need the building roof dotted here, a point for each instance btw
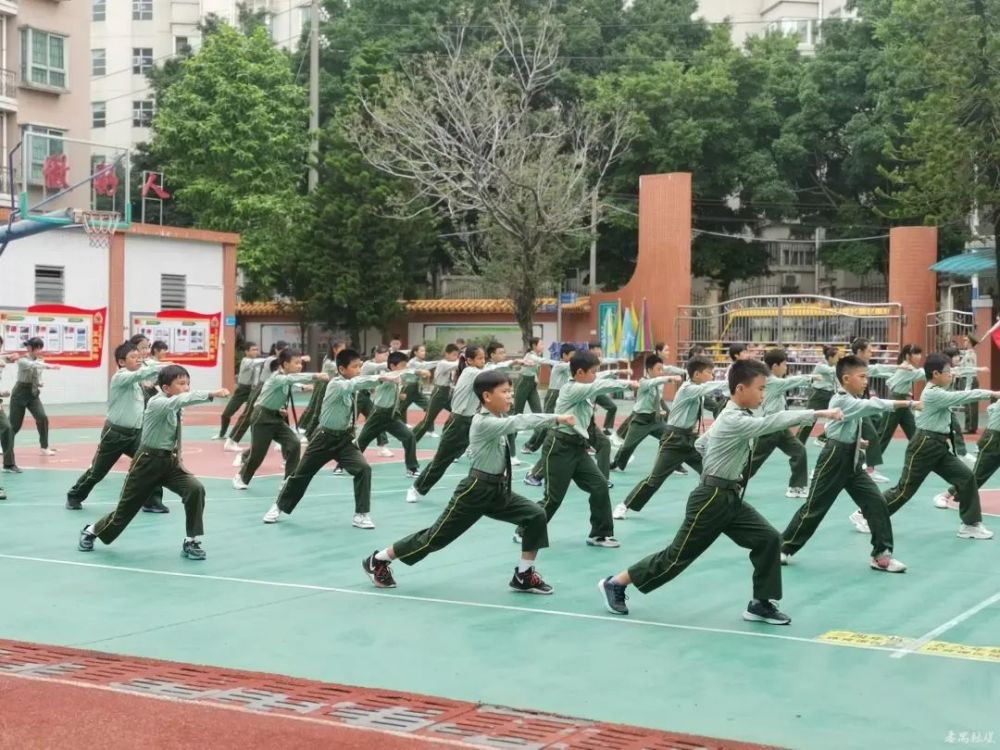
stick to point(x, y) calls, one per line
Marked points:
point(425, 306)
point(978, 260)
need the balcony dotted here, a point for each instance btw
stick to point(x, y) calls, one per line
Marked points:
point(8, 89)
point(8, 7)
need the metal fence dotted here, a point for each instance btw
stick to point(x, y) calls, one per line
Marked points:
point(944, 326)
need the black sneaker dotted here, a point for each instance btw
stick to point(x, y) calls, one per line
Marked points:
point(529, 582)
point(192, 550)
point(72, 504)
point(157, 507)
point(614, 595)
point(611, 485)
point(86, 543)
point(765, 611)
point(12, 470)
point(603, 541)
point(378, 572)
point(3, 494)
point(532, 481)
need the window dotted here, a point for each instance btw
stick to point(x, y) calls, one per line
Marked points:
point(98, 10)
point(142, 60)
point(173, 291)
point(181, 45)
point(49, 285)
point(43, 58)
point(41, 149)
point(98, 62)
point(142, 10)
point(98, 114)
point(142, 113)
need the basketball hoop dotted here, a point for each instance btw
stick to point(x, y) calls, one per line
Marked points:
point(100, 226)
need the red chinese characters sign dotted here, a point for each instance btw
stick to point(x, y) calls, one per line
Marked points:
point(192, 338)
point(73, 336)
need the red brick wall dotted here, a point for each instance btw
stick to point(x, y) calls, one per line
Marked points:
point(912, 250)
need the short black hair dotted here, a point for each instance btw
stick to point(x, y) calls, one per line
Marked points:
point(696, 350)
point(284, 357)
point(492, 347)
point(160, 346)
point(830, 351)
point(697, 364)
point(745, 371)
point(594, 345)
point(652, 360)
point(859, 344)
point(848, 363)
point(345, 357)
point(735, 350)
point(907, 350)
point(449, 348)
point(381, 348)
point(487, 382)
point(583, 361)
point(123, 350)
point(533, 340)
point(775, 356)
point(170, 373)
point(396, 357)
point(34, 343)
point(936, 362)
point(248, 345)
point(659, 346)
point(566, 349)
point(138, 339)
point(951, 352)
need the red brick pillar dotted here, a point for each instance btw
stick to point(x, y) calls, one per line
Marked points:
point(912, 251)
point(986, 353)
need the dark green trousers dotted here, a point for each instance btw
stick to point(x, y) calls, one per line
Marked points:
point(712, 511)
point(640, 427)
point(476, 496)
point(325, 446)
point(602, 449)
point(239, 397)
point(987, 461)
point(971, 410)
point(270, 426)
point(897, 418)
point(838, 469)
point(538, 436)
point(389, 419)
point(150, 470)
point(310, 417)
point(676, 449)
point(931, 452)
point(818, 400)
point(791, 447)
point(414, 396)
point(870, 431)
point(363, 402)
point(526, 394)
point(610, 410)
point(115, 442)
point(6, 440)
point(440, 401)
point(956, 431)
point(246, 417)
point(567, 461)
point(24, 397)
point(454, 441)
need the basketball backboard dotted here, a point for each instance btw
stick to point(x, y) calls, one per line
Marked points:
point(62, 179)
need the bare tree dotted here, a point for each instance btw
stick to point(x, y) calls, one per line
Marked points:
point(473, 131)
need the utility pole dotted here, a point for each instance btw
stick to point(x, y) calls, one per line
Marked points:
point(313, 94)
point(593, 242)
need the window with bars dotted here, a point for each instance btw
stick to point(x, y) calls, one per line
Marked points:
point(42, 148)
point(98, 114)
point(173, 291)
point(43, 58)
point(98, 62)
point(99, 10)
point(142, 60)
point(142, 113)
point(49, 288)
point(142, 10)
point(181, 45)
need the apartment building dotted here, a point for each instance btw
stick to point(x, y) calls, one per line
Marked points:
point(43, 86)
point(801, 18)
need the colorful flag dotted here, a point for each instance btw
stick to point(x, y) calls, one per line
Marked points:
point(616, 347)
point(608, 332)
point(642, 342)
point(628, 336)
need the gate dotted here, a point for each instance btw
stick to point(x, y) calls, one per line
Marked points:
point(944, 326)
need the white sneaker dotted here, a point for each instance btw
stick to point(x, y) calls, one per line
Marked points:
point(793, 492)
point(218, 437)
point(974, 531)
point(277, 449)
point(876, 477)
point(274, 514)
point(232, 446)
point(860, 524)
point(620, 512)
point(616, 441)
point(969, 458)
point(385, 452)
point(412, 496)
point(238, 483)
point(942, 499)
point(603, 541)
point(515, 461)
point(887, 563)
point(786, 559)
point(818, 443)
point(48, 452)
point(803, 492)
point(433, 435)
point(362, 521)
point(812, 474)
point(303, 439)
point(238, 461)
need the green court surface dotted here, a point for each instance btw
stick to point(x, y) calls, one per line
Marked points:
point(870, 659)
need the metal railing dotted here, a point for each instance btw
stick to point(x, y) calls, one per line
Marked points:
point(944, 326)
point(8, 83)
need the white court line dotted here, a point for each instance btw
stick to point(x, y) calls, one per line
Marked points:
point(930, 635)
point(477, 605)
point(241, 710)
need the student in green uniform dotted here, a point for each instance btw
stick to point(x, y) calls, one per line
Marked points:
point(677, 444)
point(363, 398)
point(558, 376)
point(244, 384)
point(900, 386)
point(333, 440)
point(662, 352)
point(158, 464)
point(444, 375)
point(261, 374)
point(737, 352)
point(270, 421)
point(838, 468)
point(775, 392)
point(6, 433)
point(969, 361)
point(413, 393)
point(987, 459)
point(121, 433)
point(484, 492)
point(962, 379)
point(310, 417)
point(716, 506)
point(526, 391)
point(605, 401)
point(645, 417)
point(824, 383)
point(387, 415)
point(25, 395)
point(930, 449)
point(567, 459)
point(870, 427)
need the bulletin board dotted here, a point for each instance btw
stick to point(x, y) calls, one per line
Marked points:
point(73, 336)
point(192, 337)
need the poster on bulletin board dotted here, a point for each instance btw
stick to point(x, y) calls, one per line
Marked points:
point(73, 336)
point(191, 337)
